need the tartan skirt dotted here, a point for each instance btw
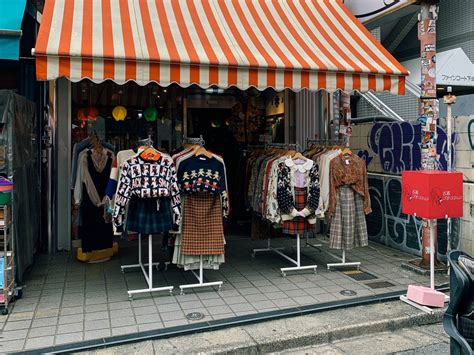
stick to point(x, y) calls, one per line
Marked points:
point(298, 225)
point(202, 226)
point(144, 217)
point(348, 227)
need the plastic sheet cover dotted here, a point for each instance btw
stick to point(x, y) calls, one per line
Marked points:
point(19, 161)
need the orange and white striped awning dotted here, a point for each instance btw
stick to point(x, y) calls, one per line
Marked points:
point(314, 44)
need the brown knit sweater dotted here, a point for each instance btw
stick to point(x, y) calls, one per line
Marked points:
point(353, 174)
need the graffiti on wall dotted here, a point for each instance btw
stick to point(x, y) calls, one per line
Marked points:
point(397, 146)
point(389, 226)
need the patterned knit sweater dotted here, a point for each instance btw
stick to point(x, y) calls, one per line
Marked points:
point(202, 174)
point(285, 189)
point(147, 179)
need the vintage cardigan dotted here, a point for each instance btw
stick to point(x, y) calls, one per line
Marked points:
point(286, 191)
point(148, 179)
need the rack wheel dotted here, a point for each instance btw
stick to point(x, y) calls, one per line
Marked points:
point(19, 294)
point(171, 293)
point(122, 271)
point(5, 311)
point(253, 255)
point(182, 293)
point(130, 298)
point(283, 274)
point(219, 289)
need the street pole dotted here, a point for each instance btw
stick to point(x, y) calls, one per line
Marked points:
point(428, 113)
point(449, 100)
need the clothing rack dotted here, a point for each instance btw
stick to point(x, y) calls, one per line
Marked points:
point(297, 262)
point(200, 278)
point(295, 146)
point(194, 140)
point(149, 276)
point(343, 262)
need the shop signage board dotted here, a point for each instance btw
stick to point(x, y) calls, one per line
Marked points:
point(432, 194)
point(369, 10)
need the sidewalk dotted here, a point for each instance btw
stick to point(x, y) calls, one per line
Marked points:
point(66, 302)
point(332, 330)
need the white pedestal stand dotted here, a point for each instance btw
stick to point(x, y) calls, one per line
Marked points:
point(149, 276)
point(200, 278)
point(404, 298)
point(297, 262)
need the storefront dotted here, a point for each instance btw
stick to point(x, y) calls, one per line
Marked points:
point(241, 75)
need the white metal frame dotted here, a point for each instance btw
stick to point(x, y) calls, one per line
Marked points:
point(149, 276)
point(297, 262)
point(200, 278)
point(343, 262)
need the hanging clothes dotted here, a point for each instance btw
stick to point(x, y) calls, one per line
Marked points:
point(202, 180)
point(95, 232)
point(349, 202)
point(153, 183)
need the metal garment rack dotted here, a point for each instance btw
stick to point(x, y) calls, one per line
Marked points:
point(199, 141)
point(343, 262)
point(297, 262)
point(200, 278)
point(194, 140)
point(149, 276)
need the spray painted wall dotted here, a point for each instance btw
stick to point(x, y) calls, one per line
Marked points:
point(389, 148)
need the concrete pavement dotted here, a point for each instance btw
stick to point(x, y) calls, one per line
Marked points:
point(375, 324)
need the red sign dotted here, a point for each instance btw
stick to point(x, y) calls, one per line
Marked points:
point(432, 194)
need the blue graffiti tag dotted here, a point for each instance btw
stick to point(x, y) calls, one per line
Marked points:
point(398, 146)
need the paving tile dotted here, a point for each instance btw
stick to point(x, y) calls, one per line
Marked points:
point(69, 328)
point(96, 300)
point(73, 318)
point(150, 326)
point(97, 324)
point(97, 334)
point(260, 305)
point(240, 307)
point(176, 323)
point(97, 315)
point(169, 316)
point(96, 308)
point(24, 307)
point(128, 312)
point(223, 316)
point(256, 297)
point(148, 318)
point(212, 302)
point(42, 331)
point(13, 335)
point(138, 311)
point(219, 310)
point(67, 311)
point(296, 293)
point(121, 322)
point(68, 338)
point(12, 346)
point(143, 302)
point(43, 322)
point(125, 330)
point(208, 295)
point(194, 304)
point(46, 313)
point(285, 303)
point(119, 305)
point(305, 300)
point(169, 307)
point(41, 342)
point(234, 300)
point(14, 316)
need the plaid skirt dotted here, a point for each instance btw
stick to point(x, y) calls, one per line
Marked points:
point(348, 228)
point(202, 226)
point(144, 216)
point(298, 225)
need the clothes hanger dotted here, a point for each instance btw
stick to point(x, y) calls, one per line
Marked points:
point(150, 153)
point(203, 151)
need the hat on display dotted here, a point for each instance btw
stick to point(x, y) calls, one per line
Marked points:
point(150, 114)
point(119, 113)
